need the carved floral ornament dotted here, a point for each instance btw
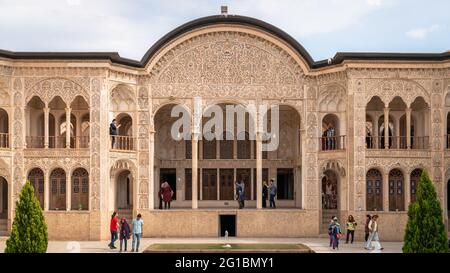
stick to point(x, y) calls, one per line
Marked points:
point(123, 164)
point(333, 165)
point(48, 88)
point(389, 89)
point(227, 64)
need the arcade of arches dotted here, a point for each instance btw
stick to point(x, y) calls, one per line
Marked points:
point(352, 139)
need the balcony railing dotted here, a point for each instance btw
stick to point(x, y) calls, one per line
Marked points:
point(125, 143)
point(399, 143)
point(35, 141)
point(57, 142)
point(81, 142)
point(4, 140)
point(332, 143)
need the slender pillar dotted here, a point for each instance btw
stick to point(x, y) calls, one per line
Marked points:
point(151, 177)
point(258, 170)
point(46, 192)
point(375, 141)
point(386, 192)
point(397, 134)
point(46, 124)
point(68, 110)
point(408, 128)
point(69, 191)
point(194, 170)
point(386, 128)
point(78, 131)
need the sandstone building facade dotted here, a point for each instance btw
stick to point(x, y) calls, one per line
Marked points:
point(55, 110)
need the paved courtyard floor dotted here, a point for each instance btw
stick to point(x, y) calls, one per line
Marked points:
point(319, 245)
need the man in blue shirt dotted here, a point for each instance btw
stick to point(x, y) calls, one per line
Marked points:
point(113, 127)
point(137, 233)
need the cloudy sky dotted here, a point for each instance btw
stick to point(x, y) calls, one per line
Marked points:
point(130, 27)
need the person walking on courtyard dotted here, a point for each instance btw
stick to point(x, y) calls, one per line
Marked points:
point(272, 194)
point(137, 233)
point(125, 233)
point(373, 236)
point(329, 230)
point(366, 227)
point(113, 127)
point(351, 225)
point(113, 227)
point(336, 234)
point(166, 194)
point(265, 192)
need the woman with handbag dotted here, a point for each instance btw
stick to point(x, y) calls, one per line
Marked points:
point(336, 234)
point(124, 233)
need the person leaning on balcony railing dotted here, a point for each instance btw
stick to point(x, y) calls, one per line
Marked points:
point(113, 127)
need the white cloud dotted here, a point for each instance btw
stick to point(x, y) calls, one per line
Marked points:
point(421, 33)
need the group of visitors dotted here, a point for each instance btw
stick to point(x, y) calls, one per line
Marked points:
point(165, 195)
point(267, 191)
point(372, 240)
point(122, 228)
point(329, 138)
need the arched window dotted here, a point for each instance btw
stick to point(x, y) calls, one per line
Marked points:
point(80, 189)
point(36, 178)
point(4, 129)
point(331, 139)
point(415, 177)
point(226, 146)
point(396, 192)
point(243, 146)
point(374, 198)
point(58, 189)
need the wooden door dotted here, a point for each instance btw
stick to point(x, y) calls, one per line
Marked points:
point(396, 194)
point(209, 184)
point(374, 200)
point(226, 181)
point(36, 178)
point(58, 190)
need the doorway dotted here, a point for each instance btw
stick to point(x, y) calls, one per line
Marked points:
point(170, 175)
point(124, 190)
point(227, 223)
point(285, 184)
point(3, 198)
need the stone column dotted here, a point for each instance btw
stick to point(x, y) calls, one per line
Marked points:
point(258, 170)
point(194, 170)
point(408, 128)
point(68, 110)
point(151, 164)
point(69, 191)
point(46, 191)
point(78, 131)
point(375, 141)
point(397, 133)
point(46, 124)
point(385, 191)
point(386, 128)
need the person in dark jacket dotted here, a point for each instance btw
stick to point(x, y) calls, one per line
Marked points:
point(265, 193)
point(124, 233)
point(113, 127)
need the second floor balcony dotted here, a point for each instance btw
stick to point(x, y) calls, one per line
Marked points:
point(398, 143)
point(57, 142)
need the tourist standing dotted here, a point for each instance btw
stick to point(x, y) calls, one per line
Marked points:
point(125, 233)
point(240, 188)
point(366, 227)
point(113, 127)
point(265, 193)
point(272, 193)
point(329, 230)
point(336, 233)
point(137, 233)
point(166, 194)
point(113, 227)
point(373, 236)
point(351, 225)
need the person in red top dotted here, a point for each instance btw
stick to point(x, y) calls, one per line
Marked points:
point(166, 194)
point(114, 226)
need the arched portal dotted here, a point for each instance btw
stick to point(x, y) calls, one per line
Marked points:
point(80, 189)
point(124, 190)
point(58, 189)
point(3, 199)
point(330, 199)
point(4, 129)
